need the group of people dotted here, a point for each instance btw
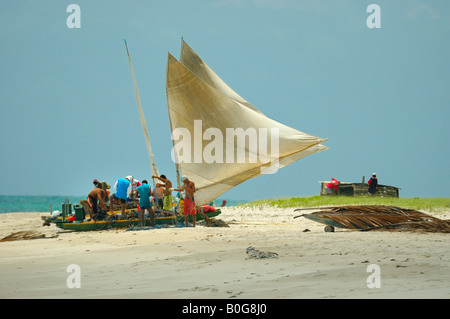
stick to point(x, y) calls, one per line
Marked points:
point(128, 187)
point(333, 186)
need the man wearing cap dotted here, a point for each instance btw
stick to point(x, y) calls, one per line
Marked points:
point(134, 185)
point(105, 186)
point(373, 183)
point(96, 197)
point(189, 207)
point(123, 191)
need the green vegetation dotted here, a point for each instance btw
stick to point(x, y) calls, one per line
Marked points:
point(420, 204)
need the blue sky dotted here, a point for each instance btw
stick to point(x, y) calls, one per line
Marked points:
point(381, 96)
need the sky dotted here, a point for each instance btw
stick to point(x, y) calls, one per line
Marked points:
point(380, 95)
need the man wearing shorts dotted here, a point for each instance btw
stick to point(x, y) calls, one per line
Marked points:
point(123, 191)
point(158, 195)
point(168, 199)
point(144, 191)
point(189, 207)
point(96, 197)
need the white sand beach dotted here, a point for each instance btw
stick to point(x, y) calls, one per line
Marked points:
point(211, 262)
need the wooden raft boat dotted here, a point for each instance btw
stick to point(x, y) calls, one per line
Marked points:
point(112, 223)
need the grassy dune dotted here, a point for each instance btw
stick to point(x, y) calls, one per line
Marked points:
point(422, 204)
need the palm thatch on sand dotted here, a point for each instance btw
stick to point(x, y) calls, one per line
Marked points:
point(24, 235)
point(378, 217)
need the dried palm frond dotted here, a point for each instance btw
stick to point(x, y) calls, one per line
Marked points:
point(24, 235)
point(211, 221)
point(378, 217)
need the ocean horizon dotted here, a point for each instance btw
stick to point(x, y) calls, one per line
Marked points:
point(41, 203)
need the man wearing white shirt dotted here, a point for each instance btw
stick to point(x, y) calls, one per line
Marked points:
point(123, 188)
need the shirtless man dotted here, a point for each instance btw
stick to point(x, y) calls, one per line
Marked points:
point(158, 195)
point(189, 207)
point(96, 196)
point(167, 191)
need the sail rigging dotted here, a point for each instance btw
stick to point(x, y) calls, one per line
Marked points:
point(203, 105)
point(154, 169)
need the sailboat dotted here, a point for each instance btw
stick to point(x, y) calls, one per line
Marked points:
point(201, 103)
point(220, 140)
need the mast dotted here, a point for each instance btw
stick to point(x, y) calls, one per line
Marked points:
point(177, 165)
point(154, 169)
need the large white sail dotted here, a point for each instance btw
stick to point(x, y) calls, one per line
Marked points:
point(200, 103)
point(196, 65)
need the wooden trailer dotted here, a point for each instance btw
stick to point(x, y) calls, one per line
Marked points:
point(360, 189)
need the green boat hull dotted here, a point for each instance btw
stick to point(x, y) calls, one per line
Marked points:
point(126, 223)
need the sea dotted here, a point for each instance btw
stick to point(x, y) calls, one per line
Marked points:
point(11, 204)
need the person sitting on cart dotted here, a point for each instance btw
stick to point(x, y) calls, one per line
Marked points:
point(332, 187)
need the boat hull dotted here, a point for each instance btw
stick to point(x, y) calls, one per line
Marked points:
point(126, 223)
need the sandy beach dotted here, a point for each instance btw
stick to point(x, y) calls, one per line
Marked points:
point(211, 262)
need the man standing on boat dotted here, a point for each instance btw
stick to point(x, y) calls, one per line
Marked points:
point(167, 201)
point(144, 191)
point(189, 207)
point(123, 191)
point(373, 183)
